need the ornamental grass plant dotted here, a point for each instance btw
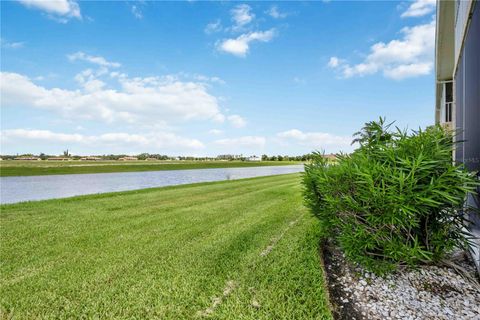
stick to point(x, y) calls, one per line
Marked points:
point(397, 200)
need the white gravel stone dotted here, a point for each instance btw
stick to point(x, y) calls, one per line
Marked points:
point(431, 292)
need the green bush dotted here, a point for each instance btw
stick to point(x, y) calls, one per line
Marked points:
point(397, 200)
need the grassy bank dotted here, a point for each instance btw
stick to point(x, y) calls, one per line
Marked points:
point(244, 249)
point(36, 168)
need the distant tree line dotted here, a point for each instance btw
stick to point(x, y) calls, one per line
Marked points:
point(154, 156)
point(304, 157)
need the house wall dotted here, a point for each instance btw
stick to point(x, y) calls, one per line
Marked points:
point(467, 113)
point(467, 96)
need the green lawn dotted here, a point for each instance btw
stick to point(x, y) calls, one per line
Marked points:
point(244, 249)
point(36, 168)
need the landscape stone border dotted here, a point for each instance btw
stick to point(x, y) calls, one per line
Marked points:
point(428, 292)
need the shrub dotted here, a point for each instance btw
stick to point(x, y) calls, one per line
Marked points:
point(397, 200)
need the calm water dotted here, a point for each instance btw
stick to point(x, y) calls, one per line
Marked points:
point(17, 189)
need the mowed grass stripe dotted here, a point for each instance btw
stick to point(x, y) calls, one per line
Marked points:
point(163, 253)
point(143, 224)
point(168, 203)
point(289, 274)
point(90, 220)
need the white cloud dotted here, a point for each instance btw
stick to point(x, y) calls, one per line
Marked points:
point(275, 13)
point(333, 62)
point(12, 45)
point(215, 132)
point(316, 140)
point(237, 121)
point(212, 27)
point(410, 56)
point(241, 45)
point(408, 70)
point(61, 10)
point(136, 11)
point(299, 80)
point(85, 75)
point(242, 15)
point(420, 8)
point(146, 101)
point(205, 79)
point(107, 141)
point(243, 142)
point(220, 118)
point(101, 61)
point(94, 85)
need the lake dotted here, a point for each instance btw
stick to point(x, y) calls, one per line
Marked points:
point(18, 189)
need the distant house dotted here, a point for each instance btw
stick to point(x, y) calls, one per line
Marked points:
point(457, 75)
point(91, 158)
point(27, 158)
point(229, 157)
point(128, 159)
point(253, 158)
point(330, 157)
point(58, 159)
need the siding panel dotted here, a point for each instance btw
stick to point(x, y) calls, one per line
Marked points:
point(472, 93)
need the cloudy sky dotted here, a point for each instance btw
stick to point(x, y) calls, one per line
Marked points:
point(208, 78)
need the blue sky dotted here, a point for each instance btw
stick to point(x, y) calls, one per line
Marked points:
point(208, 78)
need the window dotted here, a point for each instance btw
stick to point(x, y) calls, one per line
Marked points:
point(448, 101)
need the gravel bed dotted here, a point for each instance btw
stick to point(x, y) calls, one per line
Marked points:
point(429, 292)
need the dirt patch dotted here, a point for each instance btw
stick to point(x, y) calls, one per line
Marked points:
point(277, 238)
point(216, 301)
point(343, 307)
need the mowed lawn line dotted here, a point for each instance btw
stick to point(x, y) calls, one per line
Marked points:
point(173, 223)
point(191, 230)
point(290, 273)
point(11, 168)
point(114, 203)
point(161, 252)
point(92, 222)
